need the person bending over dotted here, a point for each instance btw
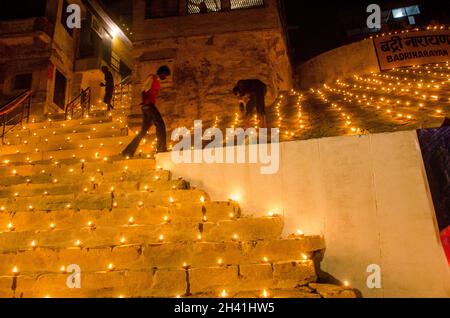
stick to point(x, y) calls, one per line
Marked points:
point(252, 94)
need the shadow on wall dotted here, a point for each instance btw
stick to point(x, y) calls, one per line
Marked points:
point(326, 278)
point(435, 145)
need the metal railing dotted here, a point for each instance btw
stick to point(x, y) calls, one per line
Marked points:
point(124, 87)
point(15, 111)
point(79, 105)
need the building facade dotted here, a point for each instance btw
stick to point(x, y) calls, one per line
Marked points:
point(39, 51)
point(209, 46)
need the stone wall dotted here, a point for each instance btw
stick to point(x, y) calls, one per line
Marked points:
point(40, 46)
point(206, 68)
point(208, 54)
point(343, 62)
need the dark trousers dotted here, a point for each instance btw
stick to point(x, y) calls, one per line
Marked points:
point(108, 98)
point(257, 100)
point(151, 117)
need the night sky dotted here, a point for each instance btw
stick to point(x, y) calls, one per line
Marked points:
point(320, 25)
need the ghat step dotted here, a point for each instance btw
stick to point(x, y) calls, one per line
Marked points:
point(175, 213)
point(131, 228)
point(72, 139)
point(161, 282)
point(90, 236)
point(74, 176)
point(147, 183)
point(131, 199)
point(167, 255)
point(115, 163)
point(99, 153)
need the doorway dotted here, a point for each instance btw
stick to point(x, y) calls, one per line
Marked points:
point(59, 95)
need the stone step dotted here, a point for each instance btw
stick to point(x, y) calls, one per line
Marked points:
point(103, 113)
point(242, 229)
point(100, 153)
point(38, 220)
point(66, 128)
point(31, 127)
point(312, 290)
point(114, 163)
point(62, 139)
point(93, 144)
point(83, 185)
point(92, 178)
point(101, 201)
point(170, 255)
point(161, 282)
point(66, 219)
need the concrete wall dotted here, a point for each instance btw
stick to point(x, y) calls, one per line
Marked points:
point(356, 58)
point(367, 195)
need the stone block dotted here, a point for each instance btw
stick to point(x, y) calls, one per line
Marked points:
point(332, 291)
point(213, 279)
point(293, 274)
point(246, 229)
point(169, 283)
point(255, 277)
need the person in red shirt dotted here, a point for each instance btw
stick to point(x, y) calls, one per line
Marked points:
point(152, 116)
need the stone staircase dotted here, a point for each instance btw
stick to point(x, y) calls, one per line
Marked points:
point(67, 198)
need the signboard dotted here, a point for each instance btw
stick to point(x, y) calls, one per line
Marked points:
point(412, 48)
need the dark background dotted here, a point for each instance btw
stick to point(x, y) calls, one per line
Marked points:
point(317, 26)
point(435, 145)
point(313, 26)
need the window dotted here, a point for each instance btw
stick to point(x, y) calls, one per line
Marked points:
point(161, 9)
point(115, 61)
point(413, 10)
point(407, 12)
point(244, 4)
point(106, 49)
point(399, 13)
point(23, 81)
point(204, 6)
point(64, 16)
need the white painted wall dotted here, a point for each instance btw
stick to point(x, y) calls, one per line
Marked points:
point(367, 195)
